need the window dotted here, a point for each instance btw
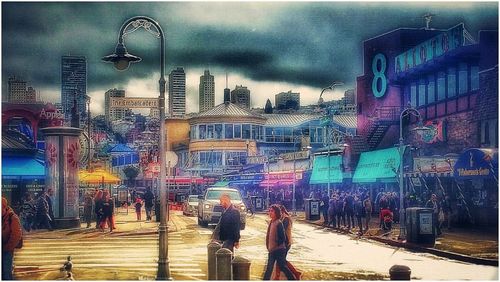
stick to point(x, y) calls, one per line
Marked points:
point(320, 135)
point(421, 92)
point(441, 88)
point(210, 131)
point(255, 132)
point(462, 79)
point(474, 78)
point(413, 94)
point(452, 82)
point(203, 131)
point(218, 131)
point(431, 85)
point(192, 132)
point(237, 131)
point(246, 131)
point(313, 135)
point(269, 134)
point(288, 134)
point(228, 131)
point(278, 135)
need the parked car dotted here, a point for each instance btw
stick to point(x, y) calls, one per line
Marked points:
point(190, 205)
point(210, 210)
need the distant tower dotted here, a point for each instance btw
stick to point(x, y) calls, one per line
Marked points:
point(227, 93)
point(111, 114)
point(17, 89)
point(73, 83)
point(207, 91)
point(241, 96)
point(177, 92)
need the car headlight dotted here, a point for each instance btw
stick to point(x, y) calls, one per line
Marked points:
point(207, 206)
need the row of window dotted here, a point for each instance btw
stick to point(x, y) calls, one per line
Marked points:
point(219, 158)
point(445, 84)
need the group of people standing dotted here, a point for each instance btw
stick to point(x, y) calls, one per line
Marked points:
point(102, 205)
point(37, 213)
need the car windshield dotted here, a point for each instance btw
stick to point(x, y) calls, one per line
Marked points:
point(215, 194)
point(193, 198)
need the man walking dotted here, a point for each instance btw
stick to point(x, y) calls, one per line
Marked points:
point(12, 235)
point(228, 228)
point(42, 212)
point(148, 202)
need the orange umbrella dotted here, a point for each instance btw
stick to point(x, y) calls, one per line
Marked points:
point(98, 176)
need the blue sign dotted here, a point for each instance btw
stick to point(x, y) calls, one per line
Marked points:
point(430, 49)
point(379, 82)
point(477, 163)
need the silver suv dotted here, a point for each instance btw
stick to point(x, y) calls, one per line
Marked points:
point(210, 210)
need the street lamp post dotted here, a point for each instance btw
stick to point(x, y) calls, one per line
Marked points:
point(121, 60)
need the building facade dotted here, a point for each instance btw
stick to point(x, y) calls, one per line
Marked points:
point(112, 114)
point(19, 92)
point(73, 84)
point(177, 92)
point(241, 96)
point(287, 100)
point(206, 92)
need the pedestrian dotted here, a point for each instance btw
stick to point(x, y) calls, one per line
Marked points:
point(50, 201)
point(331, 212)
point(228, 228)
point(367, 204)
point(28, 212)
point(386, 216)
point(138, 207)
point(42, 212)
point(349, 210)
point(287, 225)
point(358, 213)
point(98, 209)
point(107, 211)
point(447, 212)
point(276, 245)
point(324, 205)
point(148, 203)
point(12, 238)
point(433, 203)
point(87, 209)
point(338, 210)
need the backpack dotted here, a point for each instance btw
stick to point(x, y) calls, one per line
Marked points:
point(20, 243)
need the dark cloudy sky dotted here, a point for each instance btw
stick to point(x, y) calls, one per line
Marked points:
point(268, 47)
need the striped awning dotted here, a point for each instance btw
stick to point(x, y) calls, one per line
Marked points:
point(429, 174)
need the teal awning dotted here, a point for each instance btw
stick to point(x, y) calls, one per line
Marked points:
point(23, 167)
point(380, 165)
point(221, 184)
point(322, 175)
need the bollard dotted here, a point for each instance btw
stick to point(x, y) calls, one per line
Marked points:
point(241, 268)
point(223, 260)
point(212, 247)
point(400, 272)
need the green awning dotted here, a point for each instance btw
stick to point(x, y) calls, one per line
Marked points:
point(321, 174)
point(221, 184)
point(380, 165)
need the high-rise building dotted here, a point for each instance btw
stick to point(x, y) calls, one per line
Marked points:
point(287, 100)
point(30, 96)
point(177, 92)
point(73, 83)
point(112, 114)
point(207, 92)
point(17, 89)
point(241, 96)
point(349, 97)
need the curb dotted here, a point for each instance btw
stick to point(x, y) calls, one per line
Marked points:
point(415, 247)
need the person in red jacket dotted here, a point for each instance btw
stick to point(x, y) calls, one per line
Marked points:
point(386, 217)
point(12, 235)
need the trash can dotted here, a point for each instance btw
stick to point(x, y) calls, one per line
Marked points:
point(179, 198)
point(257, 203)
point(312, 209)
point(420, 226)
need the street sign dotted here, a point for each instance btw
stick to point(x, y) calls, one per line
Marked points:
point(128, 103)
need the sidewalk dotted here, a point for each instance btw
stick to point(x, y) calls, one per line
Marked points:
point(479, 246)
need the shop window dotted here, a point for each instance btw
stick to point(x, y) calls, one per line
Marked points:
point(462, 79)
point(218, 131)
point(413, 94)
point(441, 86)
point(203, 131)
point(245, 129)
point(421, 92)
point(431, 86)
point(228, 131)
point(237, 131)
point(474, 78)
point(452, 82)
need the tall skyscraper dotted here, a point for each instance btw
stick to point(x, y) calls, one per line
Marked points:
point(207, 92)
point(287, 100)
point(177, 92)
point(73, 83)
point(241, 96)
point(111, 114)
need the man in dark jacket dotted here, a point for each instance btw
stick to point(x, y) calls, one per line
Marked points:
point(325, 204)
point(148, 202)
point(229, 224)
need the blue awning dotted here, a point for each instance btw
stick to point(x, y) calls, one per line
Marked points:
point(327, 169)
point(476, 163)
point(23, 167)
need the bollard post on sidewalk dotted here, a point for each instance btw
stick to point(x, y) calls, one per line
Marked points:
point(241, 268)
point(212, 247)
point(400, 272)
point(223, 260)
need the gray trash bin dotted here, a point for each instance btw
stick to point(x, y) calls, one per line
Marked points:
point(258, 203)
point(312, 209)
point(420, 226)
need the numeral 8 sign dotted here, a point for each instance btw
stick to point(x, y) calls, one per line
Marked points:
point(379, 83)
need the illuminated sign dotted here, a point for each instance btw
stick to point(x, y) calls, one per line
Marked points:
point(128, 103)
point(430, 49)
point(436, 132)
point(379, 82)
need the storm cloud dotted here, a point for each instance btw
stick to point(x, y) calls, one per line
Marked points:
point(309, 44)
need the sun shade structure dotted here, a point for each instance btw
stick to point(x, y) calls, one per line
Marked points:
point(98, 177)
point(320, 172)
point(15, 167)
point(380, 165)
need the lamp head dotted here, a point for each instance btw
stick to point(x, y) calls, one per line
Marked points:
point(121, 58)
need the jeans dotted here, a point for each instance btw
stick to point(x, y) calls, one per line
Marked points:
point(148, 212)
point(7, 261)
point(278, 256)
